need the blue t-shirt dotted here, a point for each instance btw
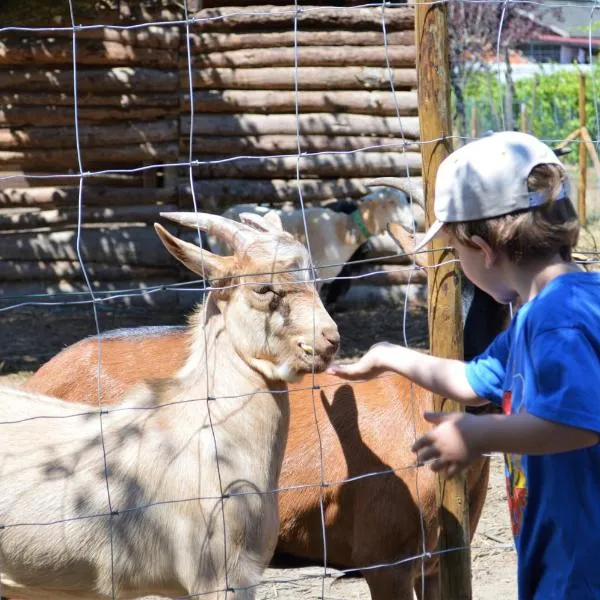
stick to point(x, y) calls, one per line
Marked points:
point(548, 364)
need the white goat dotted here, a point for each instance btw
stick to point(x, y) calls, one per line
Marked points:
point(169, 492)
point(334, 236)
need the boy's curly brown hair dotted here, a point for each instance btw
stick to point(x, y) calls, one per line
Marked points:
point(529, 235)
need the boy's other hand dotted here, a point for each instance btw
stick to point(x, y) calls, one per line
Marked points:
point(369, 365)
point(452, 445)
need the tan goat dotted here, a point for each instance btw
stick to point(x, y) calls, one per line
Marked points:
point(170, 492)
point(365, 432)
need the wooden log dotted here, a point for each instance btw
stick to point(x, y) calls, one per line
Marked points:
point(260, 17)
point(19, 179)
point(282, 101)
point(151, 36)
point(444, 293)
point(90, 136)
point(92, 196)
point(217, 194)
point(33, 218)
point(360, 164)
point(222, 42)
point(120, 245)
point(309, 78)
point(59, 51)
point(288, 144)
point(119, 294)
point(100, 81)
point(51, 115)
point(110, 156)
point(122, 101)
point(323, 56)
point(71, 270)
point(306, 123)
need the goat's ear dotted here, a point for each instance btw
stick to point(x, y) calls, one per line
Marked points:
point(201, 262)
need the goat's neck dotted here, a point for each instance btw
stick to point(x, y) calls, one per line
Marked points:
point(363, 223)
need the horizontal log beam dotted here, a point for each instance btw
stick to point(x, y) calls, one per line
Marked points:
point(33, 218)
point(123, 101)
point(92, 196)
point(59, 51)
point(119, 245)
point(95, 81)
point(288, 144)
point(254, 17)
point(306, 123)
point(152, 36)
point(268, 102)
point(217, 194)
point(363, 164)
point(58, 160)
point(52, 115)
point(221, 42)
point(309, 78)
point(90, 136)
point(71, 270)
point(323, 56)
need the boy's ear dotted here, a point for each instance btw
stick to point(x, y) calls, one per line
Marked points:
point(489, 254)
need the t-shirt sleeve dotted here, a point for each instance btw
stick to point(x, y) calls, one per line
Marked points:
point(566, 367)
point(486, 372)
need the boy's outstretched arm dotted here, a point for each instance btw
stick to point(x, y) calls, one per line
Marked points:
point(459, 438)
point(443, 376)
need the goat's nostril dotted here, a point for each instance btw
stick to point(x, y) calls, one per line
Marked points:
point(332, 336)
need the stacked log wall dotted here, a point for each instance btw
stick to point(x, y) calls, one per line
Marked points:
point(134, 115)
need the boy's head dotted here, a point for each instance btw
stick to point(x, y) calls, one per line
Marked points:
point(511, 190)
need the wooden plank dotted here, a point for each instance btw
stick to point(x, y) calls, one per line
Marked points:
point(71, 271)
point(92, 196)
point(373, 103)
point(288, 144)
point(260, 17)
point(309, 78)
point(582, 188)
point(100, 81)
point(305, 124)
point(217, 194)
point(123, 101)
point(32, 218)
point(90, 136)
point(322, 56)
point(108, 156)
point(359, 164)
point(119, 245)
point(221, 42)
point(444, 296)
point(59, 51)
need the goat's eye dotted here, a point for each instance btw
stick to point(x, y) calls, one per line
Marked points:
point(264, 289)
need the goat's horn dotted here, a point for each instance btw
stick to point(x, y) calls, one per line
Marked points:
point(411, 187)
point(237, 235)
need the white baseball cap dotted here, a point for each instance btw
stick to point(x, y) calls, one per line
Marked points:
point(488, 178)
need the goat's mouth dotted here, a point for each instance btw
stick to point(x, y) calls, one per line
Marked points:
point(313, 359)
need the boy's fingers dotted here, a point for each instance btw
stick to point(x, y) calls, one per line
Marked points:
point(422, 442)
point(435, 417)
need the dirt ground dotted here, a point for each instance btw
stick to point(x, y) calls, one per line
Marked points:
point(31, 335)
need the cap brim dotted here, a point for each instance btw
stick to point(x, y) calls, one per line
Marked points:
point(429, 235)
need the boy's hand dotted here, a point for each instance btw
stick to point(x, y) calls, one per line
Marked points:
point(452, 445)
point(370, 364)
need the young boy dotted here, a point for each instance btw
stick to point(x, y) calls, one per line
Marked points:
point(502, 203)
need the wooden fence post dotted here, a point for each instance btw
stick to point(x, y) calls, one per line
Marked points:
point(445, 326)
point(582, 154)
point(474, 121)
